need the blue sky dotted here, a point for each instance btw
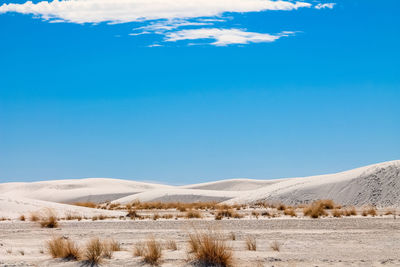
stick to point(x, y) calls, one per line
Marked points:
point(206, 93)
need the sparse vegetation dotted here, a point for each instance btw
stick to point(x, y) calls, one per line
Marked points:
point(152, 252)
point(60, 247)
point(337, 213)
point(138, 249)
point(290, 212)
point(193, 214)
point(317, 208)
point(251, 243)
point(350, 211)
point(94, 251)
point(210, 249)
point(86, 204)
point(22, 218)
point(275, 246)
point(171, 245)
point(228, 213)
point(49, 220)
point(369, 211)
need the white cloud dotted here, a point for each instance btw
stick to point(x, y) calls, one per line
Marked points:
point(174, 19)
point(224, 37)
point(119, 11)
point(327, 5)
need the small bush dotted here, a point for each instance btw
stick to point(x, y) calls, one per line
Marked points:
point(94, 251)
point(22, 218)
point(315, 210)
point(337, 213)
point(34, 217)
point(351, 211)
point(152, 252)
point(49, 220)
point(255, 214)
point(281, 206)
point(193, 214)
point(251, 243)
point(138, 250)
point(369, 211)
point(290, 212)
point(275, 246)
point(211, 250)
point(59, 247)
point(228, 213)
point(171, 245)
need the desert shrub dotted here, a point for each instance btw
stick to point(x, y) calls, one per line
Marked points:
point(315, 210)
point(107, 250)
point(152, 252)
point(281, 206)
point(34, 217)
point(255, 214)
point(210, 250)
point(275, 246)
point(167, 216)
point(138, 249)
point(59, 247)
point(369, 211)
point(94, 251)
point(266, 213)
point(22, 218)
point(132, 213)
point(251, 243)
point(49, 220)
point(350, 211)
point(228, 213)
point(327, 203)
point(290, 212)
point(85, 204)
point(113, 245)
point(156, 216)
point(337, 213)
point(171, 245)
point(193, 214)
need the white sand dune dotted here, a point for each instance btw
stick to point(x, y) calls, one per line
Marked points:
point(14, 207)
point(377, 184)
point(181, 195)
point(67, 191)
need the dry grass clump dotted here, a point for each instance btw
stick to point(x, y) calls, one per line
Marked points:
point(369, 211)
point(22, 218)
point(94, 251)
point(49, 220)
point(167, 216)
point(255, 214)
point(209, 249)
point(228, 213)
point(337, 213)
point(251, 243)
point(182, 207)
point(191, 214)
point(86, 204)
point(350, 211)
point(281, 206)
point(171, 245)
point(138, 249)
point(34, 217)
point(327, 203)
point(316, 209)
point(290, 212)
point(156, 216)
point(152, 252)
point(275, 246)
point(113, 245)
point(132, 213)
point(60, 247)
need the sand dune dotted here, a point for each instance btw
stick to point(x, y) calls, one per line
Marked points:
point(377, 184)
point(14, 207)
point(66, 191)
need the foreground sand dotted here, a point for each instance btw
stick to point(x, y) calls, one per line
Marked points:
point(355, 241)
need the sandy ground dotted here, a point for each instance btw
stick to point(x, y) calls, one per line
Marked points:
point(355, 241)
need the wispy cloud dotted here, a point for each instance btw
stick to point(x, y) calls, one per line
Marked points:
point(326, 5)
point(175, 20)
point(223, 37)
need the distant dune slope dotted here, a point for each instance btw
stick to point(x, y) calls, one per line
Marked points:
point(181, 195)
point(233, 185)
point(377, 184)
point(14, 207)
point(67, 191)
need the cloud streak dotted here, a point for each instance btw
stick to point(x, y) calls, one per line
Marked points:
point(223, 37)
